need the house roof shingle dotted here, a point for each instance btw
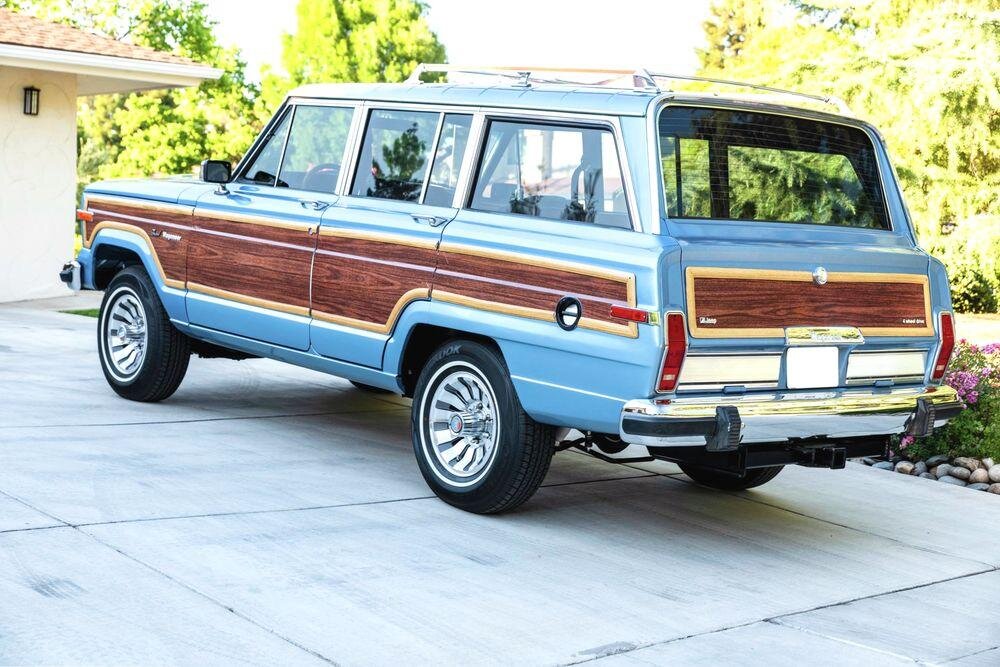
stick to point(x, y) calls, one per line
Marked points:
point(23, 30)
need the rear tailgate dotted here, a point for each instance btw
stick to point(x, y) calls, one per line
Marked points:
point(798, 269)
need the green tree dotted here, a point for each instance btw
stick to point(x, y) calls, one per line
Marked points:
point(165, 131)
point(924, 71)
point(353, 40)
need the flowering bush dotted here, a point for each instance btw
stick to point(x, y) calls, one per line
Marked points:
point(974, 373)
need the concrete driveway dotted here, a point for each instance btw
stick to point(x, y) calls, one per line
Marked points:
point(272, 515)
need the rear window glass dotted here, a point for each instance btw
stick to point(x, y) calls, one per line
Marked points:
point(741, 165)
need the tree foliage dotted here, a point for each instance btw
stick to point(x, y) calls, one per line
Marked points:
point(354, 40)
point(923, 71)
point(164, 131)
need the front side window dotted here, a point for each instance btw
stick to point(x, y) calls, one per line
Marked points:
point(741, 165)
point(315, 148)
point(263, 170)
point(395, 155)
point(552, 171)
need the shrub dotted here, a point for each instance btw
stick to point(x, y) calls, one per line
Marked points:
point(975, 374)
point(971, 251)
point(971, 291)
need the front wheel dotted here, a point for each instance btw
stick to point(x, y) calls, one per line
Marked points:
point(728, 482)
point(476, 447)
point(143, 356)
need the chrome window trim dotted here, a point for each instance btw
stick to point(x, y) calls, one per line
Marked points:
point(284, 146)
point(661, 102)
point(469, 160)
point(579, 120)
point(432, 157)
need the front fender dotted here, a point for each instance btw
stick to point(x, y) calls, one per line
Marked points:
point(171, 295)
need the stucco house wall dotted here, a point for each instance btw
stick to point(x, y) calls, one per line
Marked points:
point(37, 182)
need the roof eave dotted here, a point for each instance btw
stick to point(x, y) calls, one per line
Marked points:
point(98, 74)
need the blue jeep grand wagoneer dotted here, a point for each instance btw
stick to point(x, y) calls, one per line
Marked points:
point(732, 283)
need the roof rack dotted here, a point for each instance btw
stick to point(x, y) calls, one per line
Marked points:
point(642, 79)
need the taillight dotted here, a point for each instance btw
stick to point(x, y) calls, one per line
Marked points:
point(947, 331)
point(674, 357)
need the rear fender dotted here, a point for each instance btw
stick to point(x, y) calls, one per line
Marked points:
point(578, 378)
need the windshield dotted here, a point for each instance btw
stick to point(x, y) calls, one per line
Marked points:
point(760, 167)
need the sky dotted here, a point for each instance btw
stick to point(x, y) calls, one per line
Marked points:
point(580, 33)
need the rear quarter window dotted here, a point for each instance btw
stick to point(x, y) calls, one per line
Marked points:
point(757, 167)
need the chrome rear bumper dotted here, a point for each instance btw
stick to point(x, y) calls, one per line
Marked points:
point(782, 416)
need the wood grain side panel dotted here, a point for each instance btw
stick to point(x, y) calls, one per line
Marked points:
point(732, 305)
point(365, 282)
point(167, 231)
point(263, 263)
point(530, 285)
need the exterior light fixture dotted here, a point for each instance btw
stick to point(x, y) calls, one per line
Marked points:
point(31, 101)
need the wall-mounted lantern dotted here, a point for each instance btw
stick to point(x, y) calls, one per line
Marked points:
point(31, 101)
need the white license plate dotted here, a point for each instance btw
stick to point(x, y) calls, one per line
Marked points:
point(812, 367)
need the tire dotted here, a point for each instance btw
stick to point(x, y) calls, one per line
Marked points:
point(154, 368)
point(720, 480)
point(368, 388)
point(510, 452)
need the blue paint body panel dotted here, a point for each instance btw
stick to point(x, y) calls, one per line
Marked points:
point(579, 378)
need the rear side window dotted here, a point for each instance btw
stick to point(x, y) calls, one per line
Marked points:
point(558, 172)
point(395, 154)
point(448, 159)
point(740, 165)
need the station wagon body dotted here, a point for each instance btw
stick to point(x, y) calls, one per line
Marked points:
point(733, 284)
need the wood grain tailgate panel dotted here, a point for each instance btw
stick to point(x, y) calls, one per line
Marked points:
point(749, 303)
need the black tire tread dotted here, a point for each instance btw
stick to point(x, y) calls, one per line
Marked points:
point(718, 480)
point(537, 445)
point(163, 373)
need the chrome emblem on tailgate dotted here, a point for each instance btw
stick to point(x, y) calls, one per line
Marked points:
point(822, 335)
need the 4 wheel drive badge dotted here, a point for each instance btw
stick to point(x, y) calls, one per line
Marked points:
point(820, 276)
point(568, 313)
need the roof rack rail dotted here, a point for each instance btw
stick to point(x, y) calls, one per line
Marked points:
point(841, 105)
point(642, 79)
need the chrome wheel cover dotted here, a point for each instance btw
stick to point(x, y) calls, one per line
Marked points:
point(125, 334)
point(461, 424)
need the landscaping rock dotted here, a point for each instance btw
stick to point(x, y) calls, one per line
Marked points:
point(994, 488)
point(961, 473)
point(868, 461)
point(919, 468)
point(937, 460)
point(994, 473)
point(948, 479)
point(988, 463)
point(979, 477)
point(966, 462)
point(942, 470)
point(979, 487)
point(927, 475)
point(904, 467)
point(883, 465)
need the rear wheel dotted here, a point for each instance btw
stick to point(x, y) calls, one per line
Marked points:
point(476, 447)
point(143, 356)
point(727, 482)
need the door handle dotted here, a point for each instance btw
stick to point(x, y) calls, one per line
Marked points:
point(432, 220)
point(313, 204)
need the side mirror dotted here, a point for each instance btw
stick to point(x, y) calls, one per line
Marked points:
point(216, 171)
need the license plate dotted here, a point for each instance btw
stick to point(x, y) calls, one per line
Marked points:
point(812, 367)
